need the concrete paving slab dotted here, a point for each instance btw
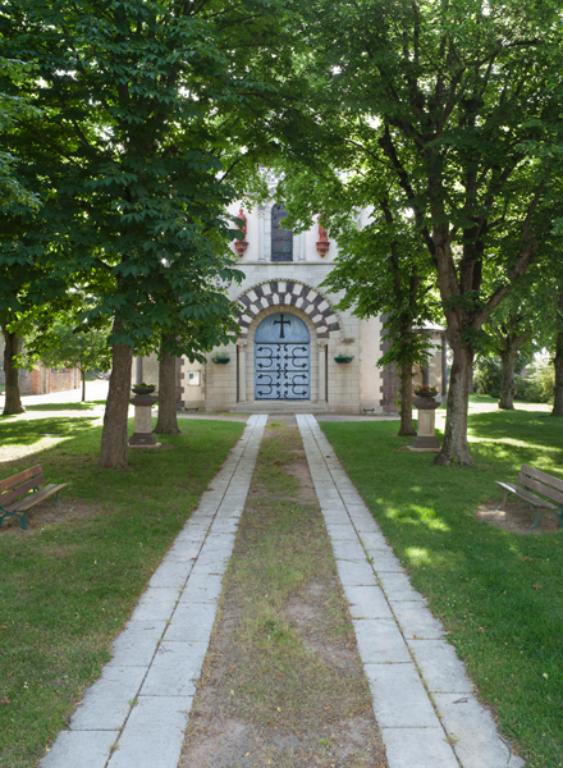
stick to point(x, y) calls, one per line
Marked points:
point(220, 541)
point(374, 539)
point(384, 561)
point(380, 642)
point(400, 700)
point(440, 666)
point(191, 623)
point(333, 515)
point(87, 749)
point(419, 748)
point(416, 621)
point(343, 536)
point(137, 644)
point(175, 669)
point(397, 588)
point(203, 588)
point(171, 573)
point(368, 603)
point(356, 507)
point(154, 733)
point(475, 737)
point(108, 700)
point(355, 573)
point(364, 525)
point(349, 550)
point(156, 603)
point(184, 551)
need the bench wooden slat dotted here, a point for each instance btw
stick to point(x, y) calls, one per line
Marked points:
point(541, 488)
point(531, 498)
point(15, 480)
point(36, 498)
point(543, 477)
point(9, 497)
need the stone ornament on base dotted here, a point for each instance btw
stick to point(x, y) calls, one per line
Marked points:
point(426, 403)
point(143, 401)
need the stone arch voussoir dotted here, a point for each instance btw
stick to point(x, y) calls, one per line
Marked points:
point(288, 293)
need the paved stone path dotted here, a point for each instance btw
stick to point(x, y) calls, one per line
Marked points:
point(135, 715)
point(423, 700)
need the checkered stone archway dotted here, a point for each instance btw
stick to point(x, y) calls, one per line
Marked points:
point(288, 293)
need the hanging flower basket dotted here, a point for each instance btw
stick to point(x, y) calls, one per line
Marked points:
point(221, 359)
point(343, 358)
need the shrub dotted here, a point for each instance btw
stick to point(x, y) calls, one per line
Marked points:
point(534, 385)
point(537, 383)
point(486, 380)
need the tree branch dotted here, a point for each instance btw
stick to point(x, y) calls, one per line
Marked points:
point(386, 143)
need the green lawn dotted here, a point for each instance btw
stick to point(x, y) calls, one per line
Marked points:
point(67, 587)
point(498, 593)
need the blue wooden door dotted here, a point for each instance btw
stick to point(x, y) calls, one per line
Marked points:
point(282, 360)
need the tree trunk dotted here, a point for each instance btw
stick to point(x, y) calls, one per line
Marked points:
point(114, 434)
point(12, 402)
point(406, 427)
point(455, 448)
point(83, 377)
point(508, 364)
point(167, 423)
point(558, 363)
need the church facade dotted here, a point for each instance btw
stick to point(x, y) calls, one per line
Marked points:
point(295, 350)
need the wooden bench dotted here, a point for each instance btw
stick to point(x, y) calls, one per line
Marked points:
point(533, 485)
point(19, 493)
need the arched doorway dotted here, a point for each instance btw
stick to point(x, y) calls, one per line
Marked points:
point(282, 359)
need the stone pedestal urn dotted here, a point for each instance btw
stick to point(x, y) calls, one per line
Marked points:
point(143, 436)
point(426, 439)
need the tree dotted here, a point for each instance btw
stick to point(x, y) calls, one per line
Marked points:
point(158, 99)
point(14, 195)
point(28, 292)
point(71, 344)
point(217, 327)
point(16, 104)
point(167, 422)
point(558, 358)
point(34, 263)
point(514, 329)
point(12, 348)
point(381, 267)
point(461, 100)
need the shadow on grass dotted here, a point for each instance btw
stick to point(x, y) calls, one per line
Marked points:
point(522, 425)
point(23, 432)
point(62, 406)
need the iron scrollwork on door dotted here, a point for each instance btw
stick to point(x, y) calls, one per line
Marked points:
point(282, 371)
point(282, 359)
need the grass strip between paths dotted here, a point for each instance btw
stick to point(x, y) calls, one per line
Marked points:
point(282, 684)
point(68, 584)
point(500, 594)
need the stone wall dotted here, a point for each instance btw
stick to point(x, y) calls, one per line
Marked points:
point(43, 381)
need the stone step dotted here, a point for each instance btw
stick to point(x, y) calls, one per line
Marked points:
point(283, 406)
